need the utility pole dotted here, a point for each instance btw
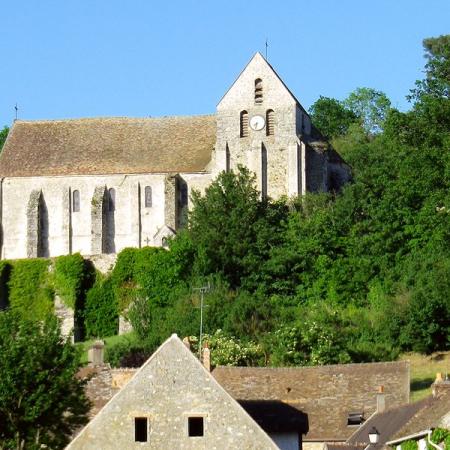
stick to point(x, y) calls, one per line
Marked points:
point(202, 291)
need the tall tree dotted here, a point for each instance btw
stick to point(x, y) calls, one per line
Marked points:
point(331, 117)
point(370, 106)
point(41, 401)
point(3, 136)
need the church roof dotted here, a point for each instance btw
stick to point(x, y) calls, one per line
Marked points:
point(108, 146)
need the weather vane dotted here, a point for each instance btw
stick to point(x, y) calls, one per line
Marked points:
point(17, 109)
point(267, 45)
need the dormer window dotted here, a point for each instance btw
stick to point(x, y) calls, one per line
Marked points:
point(355, 419)
point(258, 91)
point(270, 122)
point(244, 124)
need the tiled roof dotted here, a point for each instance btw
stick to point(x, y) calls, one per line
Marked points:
point(327, 394)
point(428, 416)
point(387, 424)
point(108, 146)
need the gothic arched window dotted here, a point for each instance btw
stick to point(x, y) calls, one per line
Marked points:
point(111, 199)
point(76, 201)
point(148, 196)
point(258, 91)
point(270, 122)
point(243, 124)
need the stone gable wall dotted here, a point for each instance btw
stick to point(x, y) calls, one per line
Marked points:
point(168, 389)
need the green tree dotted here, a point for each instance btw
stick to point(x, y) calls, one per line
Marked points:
point(370, 106)
point(3, 136)
point(232, 230)
point(41, 400)
point(331, 117)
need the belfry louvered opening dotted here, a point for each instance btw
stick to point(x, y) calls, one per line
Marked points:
point(258, 91)
point(244, 124)
point(270, 122)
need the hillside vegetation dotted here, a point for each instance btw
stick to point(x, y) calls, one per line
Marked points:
point(359, 275)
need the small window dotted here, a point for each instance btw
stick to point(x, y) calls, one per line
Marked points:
point(270, 125)
point(148, 196)
point(183, 195)
point(112, 200)
point(244, 124)
point(195, 426)
point(76, 201)
point(258, 91)
point(140, 429)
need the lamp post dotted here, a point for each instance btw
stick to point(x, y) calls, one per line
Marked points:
point(374, 436)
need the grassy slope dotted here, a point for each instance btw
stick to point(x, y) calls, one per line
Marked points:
point(423, 371)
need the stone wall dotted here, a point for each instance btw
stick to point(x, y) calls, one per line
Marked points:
point(135, 225)
point(281, 148)
point(171, 387)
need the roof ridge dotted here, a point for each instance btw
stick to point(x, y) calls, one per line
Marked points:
point(107, 118)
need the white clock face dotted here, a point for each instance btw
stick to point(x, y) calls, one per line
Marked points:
point(257, 123)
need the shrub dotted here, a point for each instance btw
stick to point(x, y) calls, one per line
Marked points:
point(30, 292)
point(101, 316)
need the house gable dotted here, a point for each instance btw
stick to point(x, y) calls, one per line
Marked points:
point(173, 393)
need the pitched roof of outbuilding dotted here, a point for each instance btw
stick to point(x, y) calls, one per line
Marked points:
point(108, 146)
point(387, 424)
point(327, 394)
point(430, 415)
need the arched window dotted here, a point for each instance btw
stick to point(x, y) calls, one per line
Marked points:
point(258, 91)
point(111, 199)
point(148, 196)
point(227, 159)
point(263, 171)
point(76, 201)
point(270, 122)
point(244, 124)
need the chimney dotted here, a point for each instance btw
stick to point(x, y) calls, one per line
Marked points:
point(381, 401)
point(440, 385)
point(96, 353)
point(187, 342)
point(206, 356)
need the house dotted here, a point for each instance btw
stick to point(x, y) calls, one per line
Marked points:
point(334, 400)
point(98, 185)
point(172, 402)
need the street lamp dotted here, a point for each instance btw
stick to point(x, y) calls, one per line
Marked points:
point(374, 436)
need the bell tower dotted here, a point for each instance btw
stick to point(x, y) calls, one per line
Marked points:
point(261, 125)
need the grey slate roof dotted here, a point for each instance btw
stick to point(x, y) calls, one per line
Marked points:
point(387, 423)
point(326, 394)
point(108, 146)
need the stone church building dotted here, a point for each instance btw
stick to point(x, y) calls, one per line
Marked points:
point(99, 185)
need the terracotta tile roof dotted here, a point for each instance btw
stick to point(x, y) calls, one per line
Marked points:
point(108, 146)
point(327, 394)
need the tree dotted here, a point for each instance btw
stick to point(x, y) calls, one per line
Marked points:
point(231, 229)
point(331, 117)
point(41, 400)
point(3, 136)
point(370, 106)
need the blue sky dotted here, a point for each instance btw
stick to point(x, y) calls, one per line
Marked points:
point(85, 58)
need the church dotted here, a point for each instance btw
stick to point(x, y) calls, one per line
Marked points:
point(98, 185)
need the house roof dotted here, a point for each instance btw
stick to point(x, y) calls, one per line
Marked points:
point(108, 146)
point(171, 386)
point(430, 415)
point(327, 394)
point(387, 424)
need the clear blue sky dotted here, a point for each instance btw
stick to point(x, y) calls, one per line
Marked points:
point(84, 58)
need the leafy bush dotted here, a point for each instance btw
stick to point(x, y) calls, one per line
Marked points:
point(71, 278)
point(128, 353)
point(30, 291)
point(101, 317)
